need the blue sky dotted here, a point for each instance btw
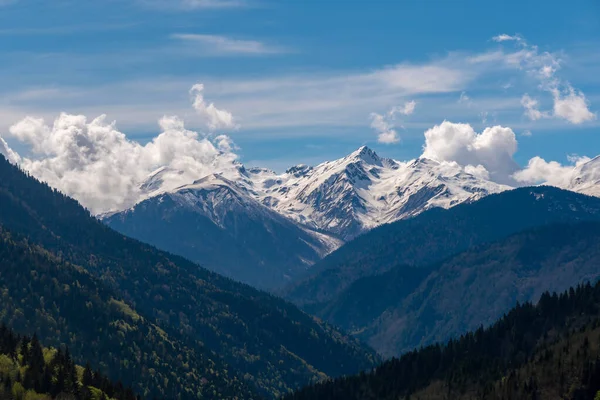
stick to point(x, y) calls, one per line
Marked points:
point(303, 78)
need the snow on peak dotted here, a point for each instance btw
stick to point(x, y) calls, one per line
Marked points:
point(347, 196)
point(586, 178)
point(367, 155)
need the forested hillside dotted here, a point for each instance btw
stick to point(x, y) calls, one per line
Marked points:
point(437, 234)
point(66, 305)
point(408, 307)
point(29, 371)
point(550, 350)
point(263, 342)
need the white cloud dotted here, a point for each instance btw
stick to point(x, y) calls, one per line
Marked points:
point(385, 125)
point(543, 66)
point(187, 5)
point(532, 108)
point(478, 171)
point(225, 144)
point(493, 149)
point(313, 101)
point(572, 107)
point(526, 133)
point(98, 165)
point(215, 44)
point(386, 132)
point(215, 118)
point(407, 109)
point(552, 173)
point(504, 38)
point(464, 98)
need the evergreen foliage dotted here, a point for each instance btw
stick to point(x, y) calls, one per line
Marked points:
point(30, 372)
point(193, 333)
point(516, 358)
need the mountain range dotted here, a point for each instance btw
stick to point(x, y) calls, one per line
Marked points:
point(170, 328)
point(156, 321)
point(423, 280)
point(268, 230)
point(437, 234)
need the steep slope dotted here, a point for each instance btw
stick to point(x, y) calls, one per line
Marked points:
point(534, 352)
point(267, 229)
point(272, 345)
point(362, 190)
point(64, 304)
point(585, 178)
point(49, 373)
point(476, 287)
point(364, 301)
point(437, 234)
point(220, 225)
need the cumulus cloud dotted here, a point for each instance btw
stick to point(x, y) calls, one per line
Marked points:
point(489, 155)
point(98, 165)
point(478, 171)
point(552, 173)
point(573, 106)
point(225, 144)
point(215, 118)
point(492, 150)
point(569, 104)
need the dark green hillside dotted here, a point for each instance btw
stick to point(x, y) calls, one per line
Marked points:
point(31, 372)
point(67, 306)
point(408, 307)
point(268, 343)
point(534, 352)
point(437, 234)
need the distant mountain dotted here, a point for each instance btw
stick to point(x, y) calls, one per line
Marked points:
point(473, 288)
point(437, 234)
point(585, 178)
point(548, 351)
point(267, 229)
point(210, 335)
point(218, 224)
point(351, 195)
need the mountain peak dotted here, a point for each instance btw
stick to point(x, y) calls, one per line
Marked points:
point(367, 155)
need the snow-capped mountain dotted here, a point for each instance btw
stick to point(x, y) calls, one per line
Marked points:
point(586, 178)
point(265, 228)
point(219, 224)
point(361, 191)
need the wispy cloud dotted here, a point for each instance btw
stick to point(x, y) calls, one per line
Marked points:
point(289, 101)
point(64, 30)
point(183, 5)
point(290, 104)
point(223, 45)
point(569, 104)
point(506, 38)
